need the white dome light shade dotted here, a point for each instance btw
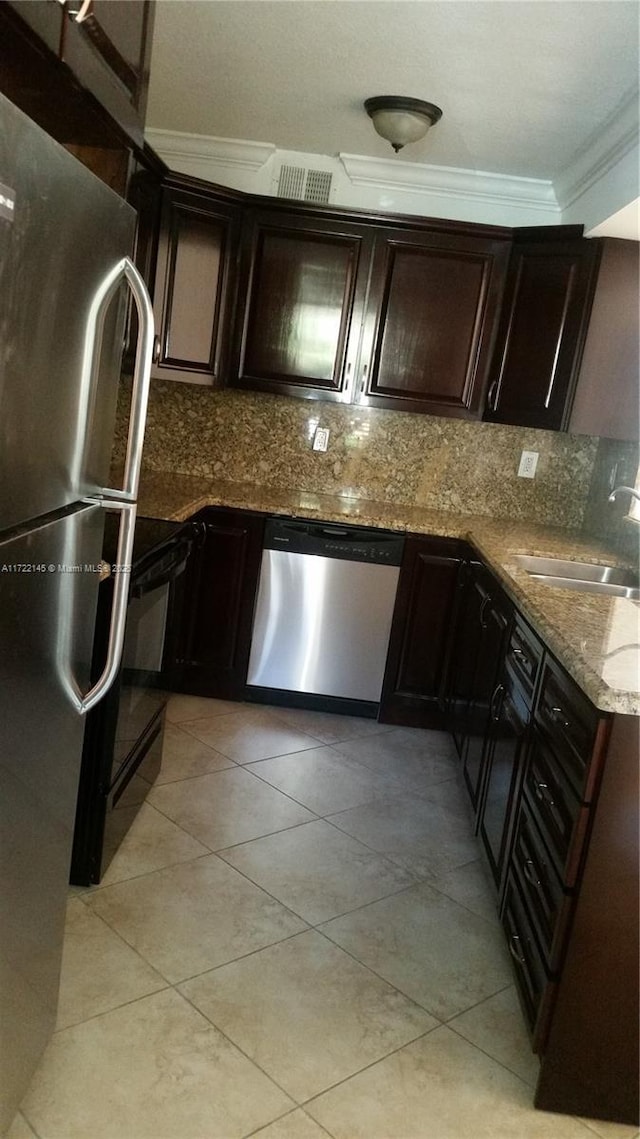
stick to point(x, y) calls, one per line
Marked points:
point(400, 120)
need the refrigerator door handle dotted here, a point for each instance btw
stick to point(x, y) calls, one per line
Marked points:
point(123, 270)
point(122, 575)
point(141, 382)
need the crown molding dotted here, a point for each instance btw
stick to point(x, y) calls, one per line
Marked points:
point(232, 152)
point(477, 185)
point(606, 147)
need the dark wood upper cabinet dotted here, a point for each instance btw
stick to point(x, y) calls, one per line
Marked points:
point(607, 400)
point(425, 301)
point(109, 54)
point(85, 83)
point(544, 320)
point(431, 321)
point(303, 289)
point(420, 633)
point(44, 17)
point(194, 285)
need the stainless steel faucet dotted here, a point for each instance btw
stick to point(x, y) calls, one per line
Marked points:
point(633, 513)
point(626, 489)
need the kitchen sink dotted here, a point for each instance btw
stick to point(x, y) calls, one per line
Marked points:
point(586, 577)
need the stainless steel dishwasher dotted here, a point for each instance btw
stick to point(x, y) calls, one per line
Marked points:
point(324, 609)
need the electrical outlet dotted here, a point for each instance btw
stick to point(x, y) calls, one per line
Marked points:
point(528, 464)
point(321, 439)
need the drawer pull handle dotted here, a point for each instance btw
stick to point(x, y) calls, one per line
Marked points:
point(495, 707)
point(544, 795)
point(514, 942)
point(492, 398)
point(556, 713)
point(530, 873)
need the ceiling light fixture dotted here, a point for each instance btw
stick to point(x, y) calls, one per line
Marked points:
point(401, 120)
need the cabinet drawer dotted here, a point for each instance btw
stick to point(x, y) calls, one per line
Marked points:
point(548, 905)
point(558, 812)
point(524, 657)
point(569, 721)
point(535, 986)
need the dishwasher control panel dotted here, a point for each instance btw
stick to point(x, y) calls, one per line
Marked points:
point(330, 540)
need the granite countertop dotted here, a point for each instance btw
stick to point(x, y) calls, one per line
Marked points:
point(596, 638)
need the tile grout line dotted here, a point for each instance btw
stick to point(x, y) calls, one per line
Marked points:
point(304, 1104)
point(301, 1103)
point(379, 977)
point(310, 926)
point(240, 767)
point(285, 1116)
point(243, 1053)
point(25, 1116)
point(449, 1024)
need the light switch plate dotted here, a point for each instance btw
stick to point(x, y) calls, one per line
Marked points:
point(321, 439)
point(528, 464)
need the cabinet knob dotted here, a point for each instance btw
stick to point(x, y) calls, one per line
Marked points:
point(530, 873)
point(544, 795)
point(492, 398)
point(156, 349)
point(556, 713)
point(514, 949)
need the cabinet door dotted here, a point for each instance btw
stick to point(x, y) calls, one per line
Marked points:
point(465, 649)
point(304, 282)
point(505, 751)
point(544, 320)
point(610, 407)
point(193, 293)
point(431, 322)
point(420, 633)
point(44, 17)
point(494, 623)
point(109, 53)
point(220, 598)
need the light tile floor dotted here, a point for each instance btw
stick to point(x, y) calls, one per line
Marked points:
point(295, 940)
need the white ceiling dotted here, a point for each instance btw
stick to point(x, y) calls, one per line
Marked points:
point(523, 84)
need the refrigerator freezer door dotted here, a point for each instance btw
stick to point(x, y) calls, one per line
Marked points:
point(61, 233)
point(41, 736)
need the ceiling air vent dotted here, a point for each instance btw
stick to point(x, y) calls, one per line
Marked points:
point(304, 185)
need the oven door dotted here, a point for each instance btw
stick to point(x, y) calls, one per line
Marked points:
point(123, 735)
point(155, 602)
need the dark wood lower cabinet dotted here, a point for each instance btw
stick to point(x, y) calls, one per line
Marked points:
point(222, 587)
point(482, 623)
point(413, 687)
point(556, 786)
point(535, 987)
point(503, 764)
point(592, 1058)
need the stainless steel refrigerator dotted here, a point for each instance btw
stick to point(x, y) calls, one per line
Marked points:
point(65, 283)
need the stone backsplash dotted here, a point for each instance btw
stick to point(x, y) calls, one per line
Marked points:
point(615, 464)
point(446, 464)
